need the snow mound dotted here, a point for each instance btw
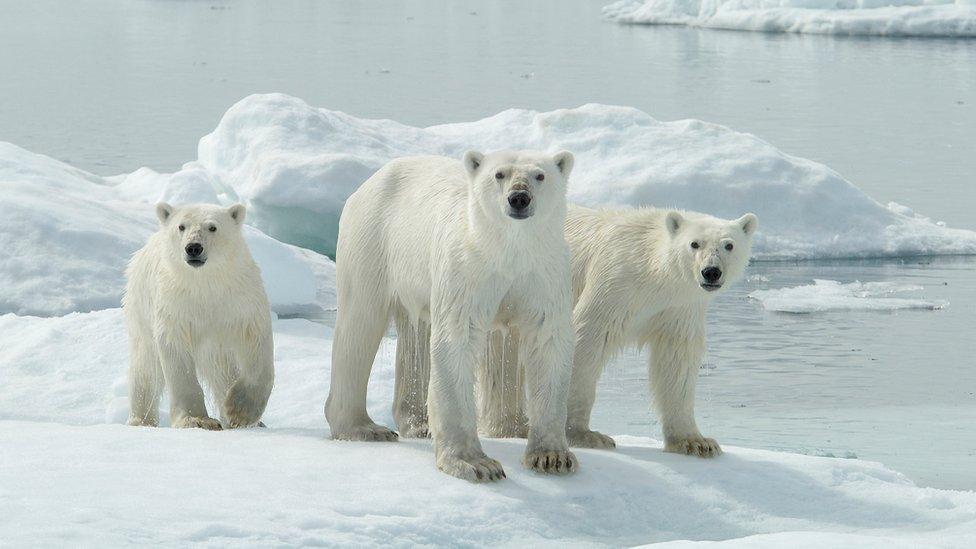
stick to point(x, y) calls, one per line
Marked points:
point(294, 165)
point(69, 479)
point(949, 18)
point(831, 295)
point(67, 236)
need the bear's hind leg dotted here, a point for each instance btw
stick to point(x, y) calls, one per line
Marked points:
point(412, 375)
point(677, 347)
point(501, 389)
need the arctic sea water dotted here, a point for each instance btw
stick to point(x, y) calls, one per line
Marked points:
point(112, 86)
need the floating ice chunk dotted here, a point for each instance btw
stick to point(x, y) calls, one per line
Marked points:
point(845, 17)
point(831, 295)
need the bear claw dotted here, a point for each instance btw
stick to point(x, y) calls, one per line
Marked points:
point(477, 469)
point(551, 462)
point(694, 446)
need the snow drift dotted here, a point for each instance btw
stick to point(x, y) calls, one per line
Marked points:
point(67, 236)
point(69, 233)
point(70, 479)
point(294, 165)
point(948, 18)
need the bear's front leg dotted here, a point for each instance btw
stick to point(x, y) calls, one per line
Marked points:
point(677, 347)
point(187, 407)
point(455, 344)
point(248, 396)
point(548, 362)
point(590, 357)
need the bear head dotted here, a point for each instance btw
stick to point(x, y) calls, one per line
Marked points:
point(517, 186)
point(201, 235)
point(710, 253)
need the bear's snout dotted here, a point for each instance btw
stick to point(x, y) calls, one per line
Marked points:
point(194, 253)
point(711, 276)
point(519, 202)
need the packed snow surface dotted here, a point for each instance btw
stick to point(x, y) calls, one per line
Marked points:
point(831, 295)
point(68, 478)
point(946, 18)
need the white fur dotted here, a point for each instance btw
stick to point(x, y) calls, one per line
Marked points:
point(638, 281)
point(431, 241)
point(212, 321)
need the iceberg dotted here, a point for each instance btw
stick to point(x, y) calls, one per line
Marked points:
point(831, 295)
point(923, 18)
point(69, 233)
point(294, 165)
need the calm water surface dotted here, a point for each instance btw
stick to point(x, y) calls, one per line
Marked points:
point(113, 85)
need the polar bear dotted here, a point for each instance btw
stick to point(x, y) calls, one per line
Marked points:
point(640, 277)
point(460, 248)
point(194, 304)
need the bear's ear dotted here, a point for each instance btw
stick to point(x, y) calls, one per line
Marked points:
point(164, 211)
point(237, 212)
point(564, 161)
point(749, 223)
point(472, 161)
point(673, 221)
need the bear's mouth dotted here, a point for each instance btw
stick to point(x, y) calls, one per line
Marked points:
point(710, 287)
point(514, 214)
point(196, 262)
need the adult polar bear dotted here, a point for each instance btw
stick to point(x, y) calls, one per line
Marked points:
point(195, 305)
point(464, 246)
point(642, 277)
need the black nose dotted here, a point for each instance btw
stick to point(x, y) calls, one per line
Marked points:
point(519, 200)
point(711, 274)
point(194, 250)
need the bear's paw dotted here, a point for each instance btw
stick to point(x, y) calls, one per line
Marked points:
point(695, 445)
point(590, 439)
point(551, 462)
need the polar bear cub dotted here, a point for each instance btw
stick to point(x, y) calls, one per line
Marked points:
point(195, 305)
point(460, 247)
point(640, 277)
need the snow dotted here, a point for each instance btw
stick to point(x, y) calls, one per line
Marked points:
point(831, 295)
point(945, 18)
point(72, 474)
point(67, 236)
point(294, 165)
point(68, 478)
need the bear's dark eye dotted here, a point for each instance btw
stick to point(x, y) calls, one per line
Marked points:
point(694, 245)
point(213, 229)
point(182, 228)
point(729, 246)
point(540, 177)
point(499, 175)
